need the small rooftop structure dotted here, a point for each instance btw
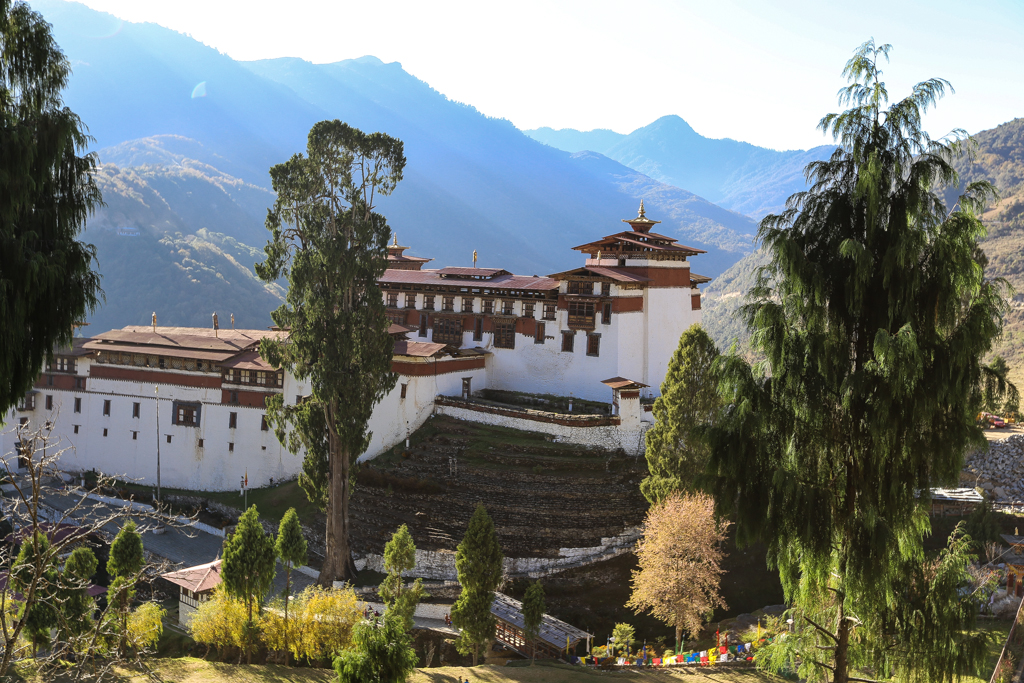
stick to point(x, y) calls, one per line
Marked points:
point(398, 261)
point(555, 635)
point(960, 501)
point(620, 383)
point(639, 243)
point(196, 585)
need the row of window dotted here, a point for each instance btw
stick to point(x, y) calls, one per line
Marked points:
point(185, 414)
point(61, 364)
point(79, 382)
point(145, 360)
point(488, 307)
point(200, 443)
point(588, 288)
point(261, 378)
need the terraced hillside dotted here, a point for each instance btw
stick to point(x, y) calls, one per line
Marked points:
point(542, 495)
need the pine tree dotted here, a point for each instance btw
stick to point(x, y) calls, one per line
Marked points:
point(125, 563)
point(400, 556)
point(47, 281)
point(689, 400)
point(872, 315)
point(624, 637)
point(382, 653)
point(76, 606)
point(332, 246)
point(248, 569)
point(478, 561)
point(533, 615)
point(33, 571)
point(291, 548)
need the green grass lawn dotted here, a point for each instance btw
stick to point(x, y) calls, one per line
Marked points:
point(999, 630)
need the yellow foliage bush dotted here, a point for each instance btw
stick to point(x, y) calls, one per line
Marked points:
point(320, 623)
point(145, 625)
point(219, 621)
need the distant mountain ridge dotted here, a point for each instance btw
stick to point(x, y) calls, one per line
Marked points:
point(751, 180)
point(202, 130)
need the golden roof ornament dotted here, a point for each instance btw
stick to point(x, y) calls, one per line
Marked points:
point(474, 258)
point(395, 234)
point(641, 214)
point(154, 321)
point(641, 223)
point(232, 321)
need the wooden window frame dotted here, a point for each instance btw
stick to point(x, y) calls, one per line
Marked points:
point(606, 289)
point(582, 315)
point(594, 344)
point(580, 288)
point(49, 401)
point(448, 304)
point(428, 302)
point(507, 307)
point(447, 330)
point(405, 388)
point(264, 427)
point(478, 329)
point(78, 405)
point(136, 410)
point(106, 407)
point(488, 307)
point(232, 420)
point(410, 300)
point(606, 313)
point(186, 414)
point(467, 304)
point(504, 333)
point(538, 335)
point(568, 341)
point(549, 311)
point(392, 299)
point(423, 325)
point(528, 309)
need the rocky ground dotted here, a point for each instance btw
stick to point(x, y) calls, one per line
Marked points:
point(999, 469)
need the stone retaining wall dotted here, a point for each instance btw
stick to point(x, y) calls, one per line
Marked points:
point(597, 431)
point(440, 564)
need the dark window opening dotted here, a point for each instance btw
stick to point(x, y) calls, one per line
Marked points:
point(467, 304)
point(168, 438)
point(231, 446)
point(410, 301)
point(593, 345)
point(448, 304)
point(106, 407)
point(428, 302)
point(448, 331)
point(404, 388)
point(104, 431)
point(49, 401)
point(581, 315)
point(79, 383)
point(78, 405)
point(577, 287)
point(489, 306)
point(505, 334)
point(568, 338)
point(606, 314)
point(478, 329)
point(549, 311)
point(423, 324)
point(528, 310)
point(606, 289)
point(200, 444)
point(185, 414)
point(49, 380)
point(135, 436)
point(506, 307)
point(76, 428)
point(232, 420)
point(538, 337)
point(234, 397)
point(136, 408)
point(264, 427)
point(392, 299)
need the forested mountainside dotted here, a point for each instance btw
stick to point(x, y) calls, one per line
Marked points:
point(999, 158)
point(751, 180)
point(169, 240)
point(156, 98)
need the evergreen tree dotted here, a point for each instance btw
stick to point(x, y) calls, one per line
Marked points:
point(872, 315)
point(624, 637)
point(689, 400)
point(291, 548)
point(34, 573)
point(533, 615)
point(400, 556)
point(478, 561)
point(248, 569)
point(332, 246)
point(125, 563)
point(47, 283)
point(76, 606)
point(1000, 394)
point(382, 653)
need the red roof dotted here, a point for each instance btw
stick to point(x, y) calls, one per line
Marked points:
point(198, 579)
point(610, 272)
point(471, 272)
point(248, 360)
point(430, 277)
point(419, 349)
point(622, 383)
point(699, 279)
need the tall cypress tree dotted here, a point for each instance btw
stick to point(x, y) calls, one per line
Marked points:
point(478, 561)
point(400, 556)
point(332, 246)
point(533, 615)
point(248, 569)
point(291, 548)
point(873, 315)
point(124, 564)
point(46, 279)
point(689, 400)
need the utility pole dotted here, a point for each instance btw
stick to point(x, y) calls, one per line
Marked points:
point(156, 391)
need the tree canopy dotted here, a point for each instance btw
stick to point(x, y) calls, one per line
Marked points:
point(479, 563)
point(291, 548)
point(533, 615)
point(47, 281)
point(872, 315)
point(331, 244)
point(248, 569)
point(400, 556)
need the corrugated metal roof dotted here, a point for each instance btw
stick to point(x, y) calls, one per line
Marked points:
point(169, 352)
point(430, 277)
point(472, 272)
point(622, 383)
point(200, 578)
point(417, 349)
point(960, 495)
point(248, 360)
point(553, 631)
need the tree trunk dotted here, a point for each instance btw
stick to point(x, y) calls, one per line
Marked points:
point(679, 636)
point(287, 596)
point(842, 673)
point(338, 565)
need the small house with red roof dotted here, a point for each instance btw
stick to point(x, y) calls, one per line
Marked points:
point(196, 585)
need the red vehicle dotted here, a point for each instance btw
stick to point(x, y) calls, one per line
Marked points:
point(996, 422)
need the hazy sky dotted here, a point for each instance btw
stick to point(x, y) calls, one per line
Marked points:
point(764, 71)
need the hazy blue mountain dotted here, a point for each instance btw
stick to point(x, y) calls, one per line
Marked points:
point(737, 175)
point(599, 140)
point(202, 130)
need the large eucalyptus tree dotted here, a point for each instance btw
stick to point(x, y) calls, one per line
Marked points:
point(332, 246)
point(873, 316)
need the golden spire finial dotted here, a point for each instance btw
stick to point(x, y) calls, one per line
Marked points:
point(395, 243)
point(641, 214)
point(232, 321)
point(154, 321)
point(599, 256)
point(474, 258)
